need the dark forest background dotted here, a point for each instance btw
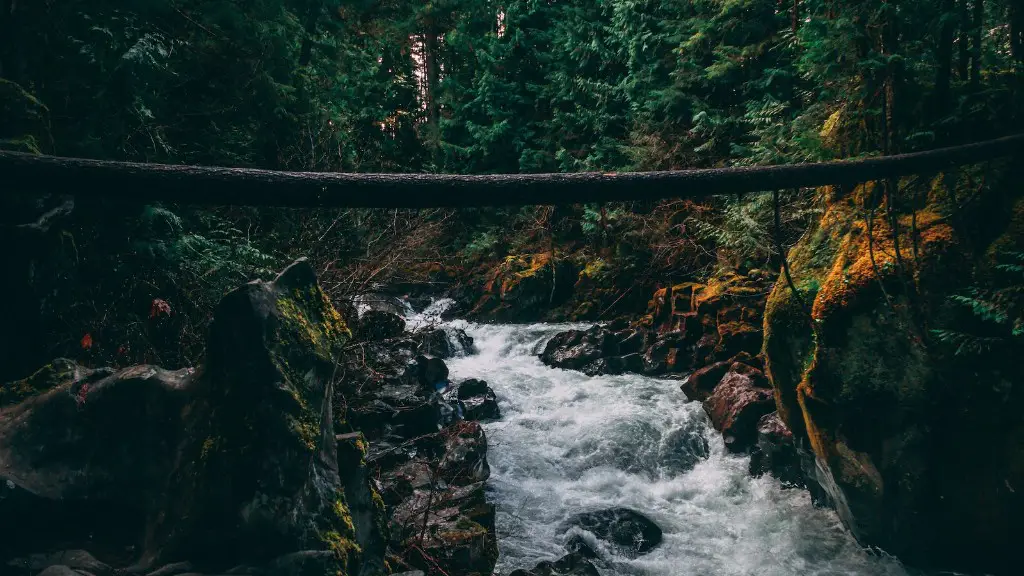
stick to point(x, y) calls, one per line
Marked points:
point(456, 86)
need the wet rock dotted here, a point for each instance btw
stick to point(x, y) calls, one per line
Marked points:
point(458, 534)
point(684, 448)
point(478, 400)
point(699, 385)
point(629, 531)
point(431, 371)
point(569, 565)
point(444, 342)
point(380, 325)
point(776, 452)
point(671, 352)
point(738, 403)
point(577, 544)
point(577, 349)
point(631, 341)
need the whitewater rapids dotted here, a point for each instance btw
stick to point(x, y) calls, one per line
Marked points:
point(569, 443)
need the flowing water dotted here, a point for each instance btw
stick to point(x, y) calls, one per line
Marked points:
point(569, 443)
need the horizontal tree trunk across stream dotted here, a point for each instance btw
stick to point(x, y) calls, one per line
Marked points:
point(244, 186)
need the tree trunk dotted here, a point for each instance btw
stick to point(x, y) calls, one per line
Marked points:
point(944, 53)
point(963, 41)
point(977, 24)
point(1017, 30)
point(132, 182)
point(430, 64)
point(312, 13)
point(796, 16)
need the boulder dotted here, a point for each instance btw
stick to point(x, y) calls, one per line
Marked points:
point(365, 505)
point(577, 544)
point(443, 342)
point(776, 452)
point(431, 372)
point(85, 461)
point(685, 447)
point(737, 336)
point(702, 382)
point(569, 565)
point(452, 528)
point(380, 325)
point(919, 446)
point(256, 476)
point(478, 400)
point(738, 403)
point(576, 349)
point(630, 532)
point(524, 288)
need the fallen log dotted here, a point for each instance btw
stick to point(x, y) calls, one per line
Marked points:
point(129, 181)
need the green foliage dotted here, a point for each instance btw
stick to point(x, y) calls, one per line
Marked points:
point(997, 310)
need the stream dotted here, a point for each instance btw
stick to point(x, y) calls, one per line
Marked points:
point(569, 443)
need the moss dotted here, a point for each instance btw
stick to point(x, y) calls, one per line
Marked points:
point(50, 376)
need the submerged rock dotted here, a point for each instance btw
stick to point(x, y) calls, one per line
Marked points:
point(628, 531)
point(569, 565)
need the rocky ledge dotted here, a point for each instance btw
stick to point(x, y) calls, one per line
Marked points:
point(295, 450)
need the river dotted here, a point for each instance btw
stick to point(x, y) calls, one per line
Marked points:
point(569, 443)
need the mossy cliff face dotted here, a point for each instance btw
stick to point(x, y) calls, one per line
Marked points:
point(907, 439)
point(258, 474)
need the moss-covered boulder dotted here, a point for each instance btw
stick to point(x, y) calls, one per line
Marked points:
point(919, 451)
point(525, 287)
point(84, 455)
point(257, 476)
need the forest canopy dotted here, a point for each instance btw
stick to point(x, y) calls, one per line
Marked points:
point(464, 87)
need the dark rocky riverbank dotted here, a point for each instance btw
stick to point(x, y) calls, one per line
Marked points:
point(293, 450)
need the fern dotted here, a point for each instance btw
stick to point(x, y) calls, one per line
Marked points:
point(999, 308)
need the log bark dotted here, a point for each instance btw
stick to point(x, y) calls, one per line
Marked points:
point(132, 182)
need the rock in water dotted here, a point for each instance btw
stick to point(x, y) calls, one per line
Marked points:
point(444, 342)
point(569, 565)
point(776, 452)
point(629, 531)
point(256, 476)
point(737, 403)
point(479, 400)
